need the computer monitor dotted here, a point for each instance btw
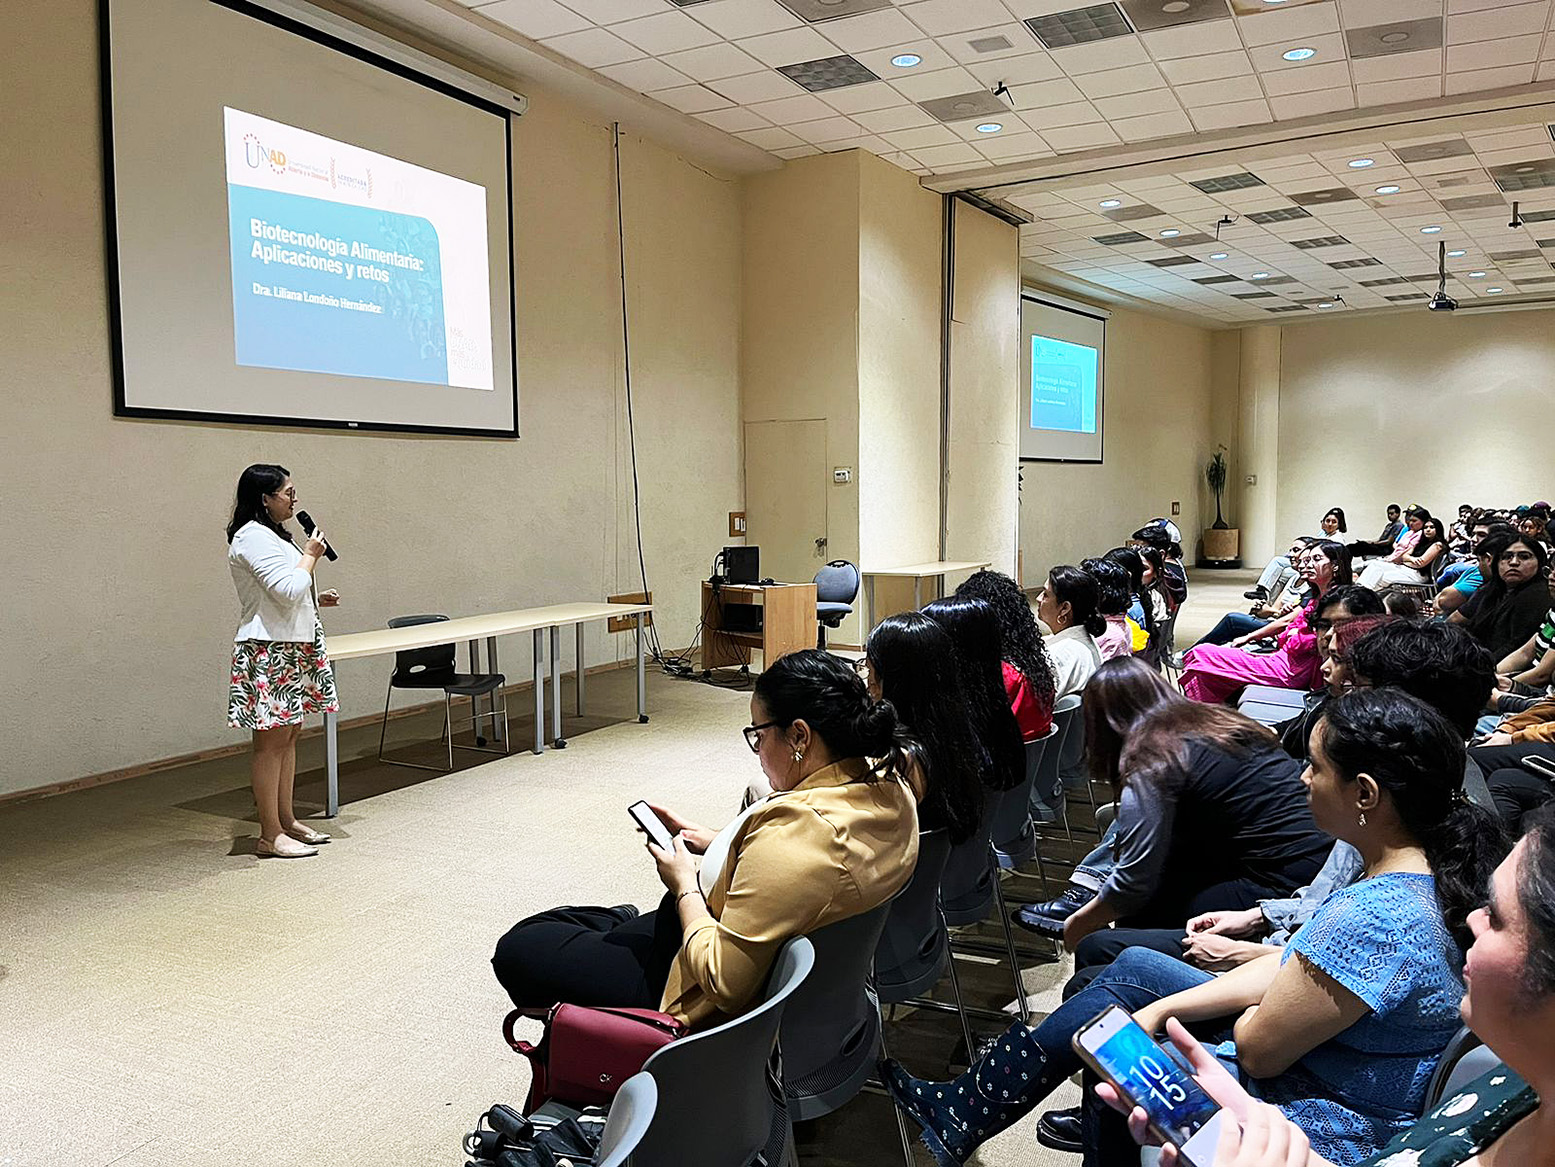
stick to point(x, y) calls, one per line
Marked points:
point(742, 565)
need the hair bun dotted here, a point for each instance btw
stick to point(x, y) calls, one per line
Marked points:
point(876, 725)
point(1095, 625)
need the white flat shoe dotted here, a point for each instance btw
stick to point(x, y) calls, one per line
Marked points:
point(284, 847)
point(306, 834)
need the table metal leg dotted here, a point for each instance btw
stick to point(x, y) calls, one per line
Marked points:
point(578, 656)
point(642, 674)
point(498, 727)
point(556, 688)
point(539, 637)
point(475, 702)
point(869, 605)
point(331, 766)
point(917, 593)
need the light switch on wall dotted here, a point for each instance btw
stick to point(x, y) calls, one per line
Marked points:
point(1251, 480)
point(842, 475)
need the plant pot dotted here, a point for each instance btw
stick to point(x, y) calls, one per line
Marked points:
point(1223, 544)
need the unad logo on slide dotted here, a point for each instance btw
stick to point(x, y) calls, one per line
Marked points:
point(255, 154)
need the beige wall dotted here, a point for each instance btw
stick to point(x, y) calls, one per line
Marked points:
point(1157, 437)
point(119, 607)
point(1417, 407)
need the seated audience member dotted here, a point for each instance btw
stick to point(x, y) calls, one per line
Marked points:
point(1515, 787)
point(1403, 605)
point(1509, 608)
point(1217, 673)
point(1460, 535)
point(1028, 675)
point(1413, 560)
point(974, 634)
point(1163, 535)
point(1280, 569)
point(1339, 625)
point(839, 838)
point(1459, 585)
point(1117, 639)
point(1384, 542)
point(1145, 625)
point(1067, 606)
point(1342, 1029)
point(1530, 670)
point(1268, 617)
point(1155, 580)
point(1536, 525)
point(1501, 1119)
point(910, 661)
point(1211, 813)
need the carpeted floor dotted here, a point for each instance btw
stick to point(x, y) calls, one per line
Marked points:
point(166, 998)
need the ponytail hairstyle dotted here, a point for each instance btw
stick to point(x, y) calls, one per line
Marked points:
point(258, 480)
point(974, 631)
point(914, 659)
point(1156, 558)
point(1111, 586)
point(1020, 639)
point(1078, 588)
point(831, 698)
point(1133, 565)
point(1417, 757)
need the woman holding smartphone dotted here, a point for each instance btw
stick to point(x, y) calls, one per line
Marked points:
point(1342, 1028)
point(280, 671)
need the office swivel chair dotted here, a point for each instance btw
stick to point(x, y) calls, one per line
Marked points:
point(836, 587)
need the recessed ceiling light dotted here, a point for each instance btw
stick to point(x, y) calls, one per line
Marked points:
point(1455, 254)
point(1476, 275)
point(1222, 254)
point(1260, 275)
point(1326, 304)
point(1491, 291)
point(990, 127)
point(1170, 233)
point(1387, 189)
point(1302, 54)
point(1173, 7)
point(1361, 163)
point(1397, 37)
point(906, 60)
point(1110, 203)
point(1431, 230)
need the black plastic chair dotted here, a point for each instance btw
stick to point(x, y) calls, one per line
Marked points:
point(836, 587)
point(435, 668)
point(971, 889)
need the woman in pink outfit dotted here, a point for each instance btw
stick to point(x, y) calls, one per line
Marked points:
point(1217, 673)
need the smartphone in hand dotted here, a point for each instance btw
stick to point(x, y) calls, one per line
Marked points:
point(1114, 1045)
point(652, 824)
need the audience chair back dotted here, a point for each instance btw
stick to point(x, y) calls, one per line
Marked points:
point(1048, 790)
point(422, 668)
point(830, 1039)
point(1464, 1059)
point(967, 889)
point(1014, 837)
point(1106, 815)
point(836, 587)
point(1071, 765)
point(913, 948)
point(719, 1102)
point(631, 1113)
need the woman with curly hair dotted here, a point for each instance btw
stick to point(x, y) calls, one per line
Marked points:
point(1028, 674)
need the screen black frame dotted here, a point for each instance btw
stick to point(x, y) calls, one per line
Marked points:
point(111, 232)
point(1101, 457)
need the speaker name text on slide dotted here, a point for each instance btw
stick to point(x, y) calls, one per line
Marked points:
point(1063, 385)
point(350, 262)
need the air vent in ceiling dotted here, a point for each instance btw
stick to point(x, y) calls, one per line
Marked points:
point(1472, 202)
point(1150, 14)
point(1319, 241)
point(815, 11)
point(1275, 281)
point(1403, 36)
point(1289, 308)
point(1278, 215)
point(828, 73)
point(1252, 295)
point(1430, 151)
point(1538, 216)
point(1172, 261)
point(1387, 283)
point(1545, 242)
point(1342, 264)
point(1515, 256)
point(1134, 211)
point(1218, 280)
point(961, 107)
point(989, 44)
point(1408, 296)
point(1531, 175)
point(1079, 26)
point(1197, 239)
point(1333, 194)
point(1229, 182)
point(1120, 238)
point(1536, 280)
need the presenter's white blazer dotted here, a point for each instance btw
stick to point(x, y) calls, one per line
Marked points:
point(275, 593)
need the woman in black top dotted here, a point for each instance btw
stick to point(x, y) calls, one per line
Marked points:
point(974, 631)
point(1509, 607)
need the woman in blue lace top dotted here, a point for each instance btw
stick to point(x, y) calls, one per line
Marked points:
point(1343, 1028)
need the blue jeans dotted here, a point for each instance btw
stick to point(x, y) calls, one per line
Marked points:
point(1232, 625)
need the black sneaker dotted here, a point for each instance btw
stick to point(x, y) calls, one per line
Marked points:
point(1048, 919)
point(1256, 593)
point(625, 912)
point(1060, 1129)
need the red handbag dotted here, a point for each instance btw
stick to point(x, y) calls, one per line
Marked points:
point(587, 1052)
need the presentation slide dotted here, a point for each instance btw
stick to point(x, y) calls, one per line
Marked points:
point(1063, 385)
point(345, 261)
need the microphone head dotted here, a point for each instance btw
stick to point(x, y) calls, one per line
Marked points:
point(306, 520)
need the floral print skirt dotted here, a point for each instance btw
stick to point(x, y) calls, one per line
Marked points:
point(279, 682)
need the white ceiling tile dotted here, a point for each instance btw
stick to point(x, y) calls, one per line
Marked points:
point(1113, 82)
point(1547, 70)
point(614, 11)
point(535, 18)
point(1192, 40)
point(1329, 76)
point(1494, 23)
point(1210, 68)
point(1490, 78)
point(713, 62)
point(919, 136)
point(958, 155)
point(1404, 89)
point(668, 32)
point(1006, 146)
point(1016, 70)
point(1300, 105)
point(858, 98)
point(1396, 66)
point(1045, 93)
point(770, 138)
point(1330, 51)
point(940, 83)
point(645, 75)
point(805, 108)
point(1365, 13)
point(733, 19)
point(1221, 92)
point(1135, 104)
point(1022, 43)
point(902, 117)
point(749, 88)
point(733, 118)
point(936, 17)
point(877, 146)
point(594, 47)
point(1157, 125)
point(1112, 53)
point(789, 48)
point(870, 30)
point(790, 152)
point(1073, 113)
point(691, 99)
point(1289, 25)
point(1497, 54)
point(822, 130)
point(1080, 137)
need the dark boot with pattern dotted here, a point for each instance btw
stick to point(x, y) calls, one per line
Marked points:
point(958, 1116)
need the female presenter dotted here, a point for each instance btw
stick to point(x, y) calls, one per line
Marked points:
point(280, 673)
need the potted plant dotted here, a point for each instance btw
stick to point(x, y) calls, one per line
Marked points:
point(1222, 542)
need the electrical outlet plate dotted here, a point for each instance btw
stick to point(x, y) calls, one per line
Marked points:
point(842, 475)
point(1176, 508)
point(736, 524)
point(1251, 480)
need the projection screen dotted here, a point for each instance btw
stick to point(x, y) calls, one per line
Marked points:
point(1063, 379)
point(302, 232)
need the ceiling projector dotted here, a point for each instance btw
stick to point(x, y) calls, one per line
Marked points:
point(1442, 302)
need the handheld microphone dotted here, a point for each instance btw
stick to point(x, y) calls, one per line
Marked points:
point(306, 520)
